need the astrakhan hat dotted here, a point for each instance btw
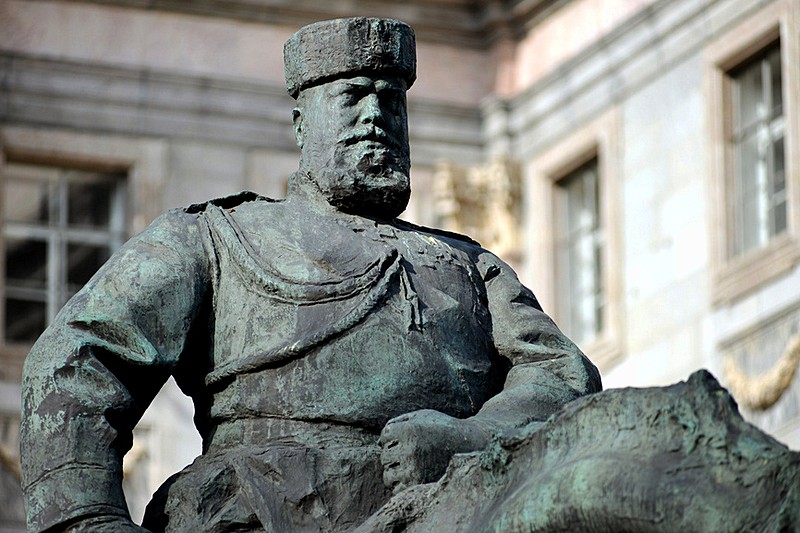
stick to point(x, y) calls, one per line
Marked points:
point(330, 49)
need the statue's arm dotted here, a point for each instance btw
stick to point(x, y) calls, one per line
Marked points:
point(546, 371)
point(94, 371)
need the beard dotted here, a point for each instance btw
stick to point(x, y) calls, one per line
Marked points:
point(366, 178)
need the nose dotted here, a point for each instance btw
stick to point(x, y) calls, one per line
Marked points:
point(371, 112)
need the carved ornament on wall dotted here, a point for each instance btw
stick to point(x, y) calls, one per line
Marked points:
point(483, 201)
point(763, 391)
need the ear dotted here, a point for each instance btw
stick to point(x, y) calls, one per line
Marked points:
point(297, 120)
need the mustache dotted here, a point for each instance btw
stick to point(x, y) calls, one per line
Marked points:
point(370, 133)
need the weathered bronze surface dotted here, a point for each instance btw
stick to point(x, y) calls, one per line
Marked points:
point(668, 459)
point(337, 356)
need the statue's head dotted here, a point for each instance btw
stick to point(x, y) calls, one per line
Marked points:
point(349, 77)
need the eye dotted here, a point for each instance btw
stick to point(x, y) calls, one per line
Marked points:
point(391, 100)
point(349, 97)
point(352, 94)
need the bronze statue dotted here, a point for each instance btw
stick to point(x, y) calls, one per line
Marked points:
point(335, 354)
point(329, 347)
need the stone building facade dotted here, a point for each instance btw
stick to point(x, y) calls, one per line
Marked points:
point(637, 161)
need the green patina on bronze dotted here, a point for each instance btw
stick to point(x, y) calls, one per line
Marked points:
point(339, 359)
point(668, 459)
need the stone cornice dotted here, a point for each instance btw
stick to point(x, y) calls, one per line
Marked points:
point(470, 23)
point(650, 42)
point(107, 98)
point(127, 101)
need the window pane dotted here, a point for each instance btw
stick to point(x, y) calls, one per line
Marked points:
point(774, 61)
point(777, 208)
point(750, 224)
point(89, 203)
point(778, 216)
point(48, 211)
point(779, 164)
point(752, 167)
point(749, 96)
point(83, 260)
point(597, 282)
point(26, 263)
point(578, 256)
point(26, 201)
point(575, 210)
point(751, 191)
point(25, 320)
point(760, 186)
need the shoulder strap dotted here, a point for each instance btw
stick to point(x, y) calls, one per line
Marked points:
point(227, 202)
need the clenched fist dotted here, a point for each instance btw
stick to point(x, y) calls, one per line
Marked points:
point(416, 447)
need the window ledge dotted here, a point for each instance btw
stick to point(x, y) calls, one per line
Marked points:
point(742, 275)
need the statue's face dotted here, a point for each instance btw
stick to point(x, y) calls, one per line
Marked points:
point(353, 133)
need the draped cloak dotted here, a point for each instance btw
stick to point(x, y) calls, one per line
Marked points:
point(298, 333)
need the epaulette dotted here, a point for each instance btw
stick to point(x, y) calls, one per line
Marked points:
point(228, 202)
point(434, 231)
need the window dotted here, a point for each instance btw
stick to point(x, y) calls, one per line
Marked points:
point(574, 260)
point(66, 200)
point(757, 142)
point(578, 253)
point(59, 226)
point(753, 93)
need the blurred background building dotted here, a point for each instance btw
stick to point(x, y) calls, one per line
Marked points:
point(637, 161)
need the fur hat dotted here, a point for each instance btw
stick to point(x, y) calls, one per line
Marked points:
point(332, 49)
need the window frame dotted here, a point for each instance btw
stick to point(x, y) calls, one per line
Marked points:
point(736, 275)
point(58, 235)
point(566, 235)
point(143, 160)
point(598, 140)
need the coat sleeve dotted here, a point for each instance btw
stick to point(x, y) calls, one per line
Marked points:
point(547, 370)
point(93, 372)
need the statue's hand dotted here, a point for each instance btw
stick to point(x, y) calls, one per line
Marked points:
point(117, 524)
point(416, 447)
